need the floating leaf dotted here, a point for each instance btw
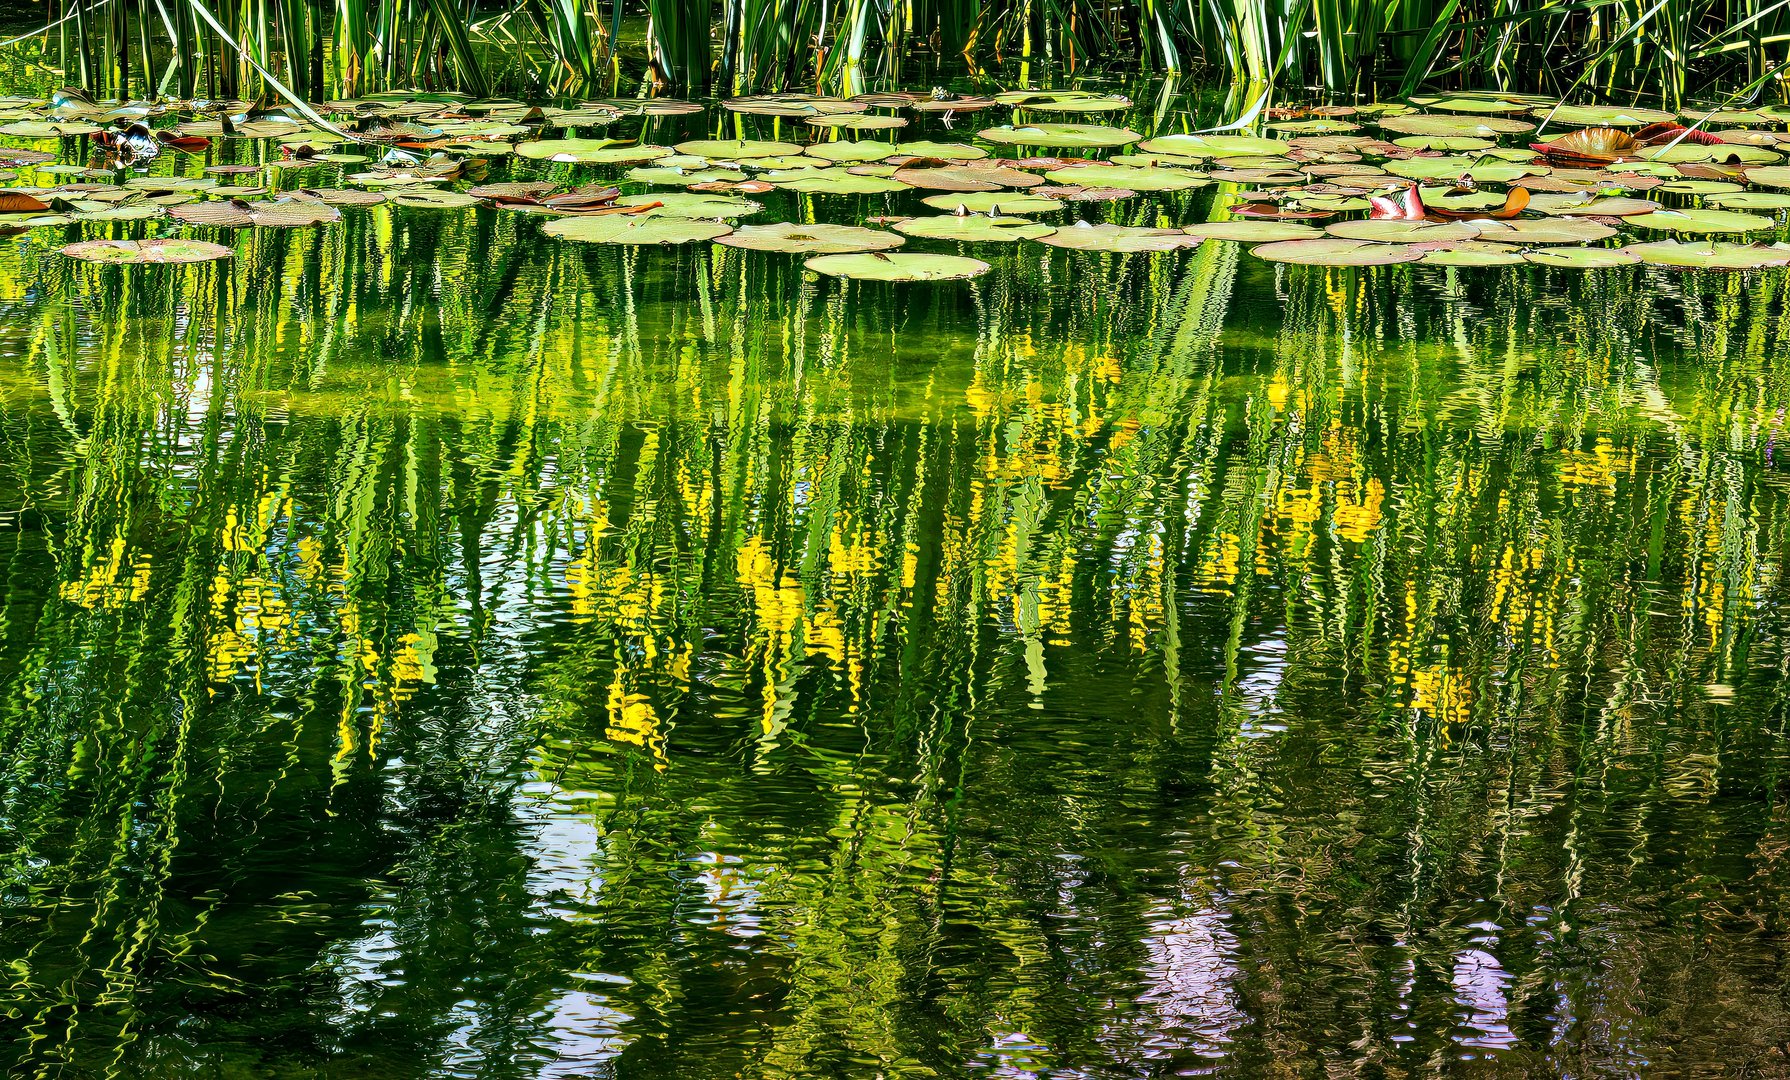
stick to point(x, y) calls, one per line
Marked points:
point(897, 266)
point(1083, 236)
point(1557, 230)
point(1703, 221)
point(1473, 253)
point(993, 202)
point(974, 228)
point(1130, 177)
point(1705, 255)
point(590, 151)
point(945, 151)
point(810, 239)
point(1581, 258)
point(1253, 231)
point(1600, 116)
point(1486, 127)
point(967, 178)
point(736, 149)
point(1211, 146)
point(835, 182)
point(1072, 135)
point(853, 150)
point(693, 205)
point(164, 250)
point(634, 229)
point(1332, 251)
point(1402, 232)
point(1750, 200)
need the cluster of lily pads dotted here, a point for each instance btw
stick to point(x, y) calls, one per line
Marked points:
point(1463, 180)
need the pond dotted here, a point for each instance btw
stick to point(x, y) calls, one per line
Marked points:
point(435, 648)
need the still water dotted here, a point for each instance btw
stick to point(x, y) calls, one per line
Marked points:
point(430, 649)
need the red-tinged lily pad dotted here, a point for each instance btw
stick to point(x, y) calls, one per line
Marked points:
point(132, 252)
point(1331, 251)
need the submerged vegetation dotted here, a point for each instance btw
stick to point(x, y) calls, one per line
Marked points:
point(1670, 50)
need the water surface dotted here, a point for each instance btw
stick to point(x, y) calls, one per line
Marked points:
point(430, 649)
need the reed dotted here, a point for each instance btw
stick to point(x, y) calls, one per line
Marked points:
point(1670, 50)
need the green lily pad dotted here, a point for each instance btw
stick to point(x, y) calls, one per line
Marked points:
point(736, 149)
point(1750, 200)
point(1703, 221)
point(1064, 101)
point(1601, 116)
point(1246, 231)
point(590, 151)
point(1332, 251)
point(992, 202)
point(810, 239)
point(853, 150)
point(1124, 176)
point(1212, 146)
point(1771, 176)
point(1724, 153)
point(1083, 236)
point(1402, 232)
point(1061, 135)
point(967, 178)
point(1700, 187)
point(430, 199)
point(164, 250)
point(1467, 104)
point(835, 181)
point(974, 228)
point(1581, 258)
point(672, 176)
point(1474, 253)
point(1585, 205)
point(1706, 255)
point(1479, 127)
point(1451, 168)
point(897, 266)
point(1448, 143)
point(856, 123)
point(634, 229)
point(1554, 230)
point(944, 151)
point(693, 204)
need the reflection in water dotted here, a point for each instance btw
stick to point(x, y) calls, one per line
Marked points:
point(564, 662)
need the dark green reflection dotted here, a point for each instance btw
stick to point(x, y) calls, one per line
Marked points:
point(429, 650)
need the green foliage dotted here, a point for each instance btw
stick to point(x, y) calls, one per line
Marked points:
point(1671, 49)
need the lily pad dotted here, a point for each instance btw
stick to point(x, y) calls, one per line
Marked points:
point(1706, 255)
point(691, 204)
point(1480, 127)
point(736, 149)
point(1124, 176)
point(835, 182)
point(1253, 232)
point(967, 178)
point(164, 250)
point(1600, 116)
point(810, 239)
point(1060, 135)
point(1703, 221)
point(974, 228)
point(1581, 258)
point(1751, 200)
point(590, 151)
point(1474, 253)
point(945, 151)
point(634, 229)
point(897, 266)
point(992, 202)
point(1083, 236)
point(853, 150)
point(1213, 146)
point(1402, 232)
point(1333, 251)
point(1557, 230)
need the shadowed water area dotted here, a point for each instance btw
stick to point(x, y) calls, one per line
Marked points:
point(433, 649)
